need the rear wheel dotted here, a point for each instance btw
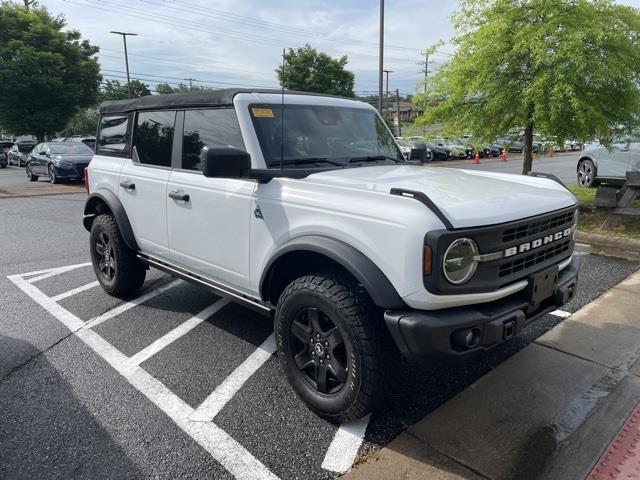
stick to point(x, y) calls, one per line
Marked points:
point(331, 345)
point(116, 267)
point(31, 176)
point(587, 174)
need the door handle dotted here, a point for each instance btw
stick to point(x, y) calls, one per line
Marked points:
point(128, 186)
point(177, 195)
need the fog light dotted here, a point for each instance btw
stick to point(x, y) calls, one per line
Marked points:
point(467, 338)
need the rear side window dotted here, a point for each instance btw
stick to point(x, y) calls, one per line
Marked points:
point(215, 128)
point(153, 137)
point(113, 135)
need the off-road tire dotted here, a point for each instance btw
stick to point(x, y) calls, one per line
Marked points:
point(366, 343)
point(129, 273)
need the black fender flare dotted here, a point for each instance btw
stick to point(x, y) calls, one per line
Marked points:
point(376, 283)
point(108, 198)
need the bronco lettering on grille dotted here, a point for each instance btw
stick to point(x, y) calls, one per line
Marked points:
point(538, 242)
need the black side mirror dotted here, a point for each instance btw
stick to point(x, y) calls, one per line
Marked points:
point(225, 163)
point(418, 152)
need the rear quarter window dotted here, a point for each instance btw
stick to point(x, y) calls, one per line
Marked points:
point(114, 138)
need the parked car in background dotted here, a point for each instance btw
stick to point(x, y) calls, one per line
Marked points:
point(406, 147)
point(455, 150)
point(4, 149)
point(58, 161)
point(88, 140)
point(17, 154)
point(516, 145)
point(602, 164)
point(438, 153)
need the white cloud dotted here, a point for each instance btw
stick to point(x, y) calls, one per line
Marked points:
point(227, 41)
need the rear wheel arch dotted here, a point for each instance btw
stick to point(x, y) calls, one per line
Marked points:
point(314, 253)
point(105, 201)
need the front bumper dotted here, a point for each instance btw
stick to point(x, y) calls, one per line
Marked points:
point(75, 172)
point(440, 333)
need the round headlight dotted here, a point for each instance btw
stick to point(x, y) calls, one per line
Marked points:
point(460, 263)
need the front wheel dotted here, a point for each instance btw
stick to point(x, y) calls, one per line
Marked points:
point(331, 345)
point(53, 177)
point(116, 267)
point(587, 174)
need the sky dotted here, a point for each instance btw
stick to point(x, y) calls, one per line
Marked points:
point(225, 43)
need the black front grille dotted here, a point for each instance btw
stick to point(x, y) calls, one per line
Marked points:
point(536, 258)
point(538, 227)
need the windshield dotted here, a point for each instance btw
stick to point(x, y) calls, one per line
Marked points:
point(26, 147)
point(70, 149)
point(322, 134)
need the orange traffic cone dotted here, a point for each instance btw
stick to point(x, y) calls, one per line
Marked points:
point(504, 155)
point(477, 159)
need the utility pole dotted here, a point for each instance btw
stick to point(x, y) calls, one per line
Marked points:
point(398, 112)
point(386, 96)
point(426, 69)
point(190, 80)
point(381, 57)
point(126, 56)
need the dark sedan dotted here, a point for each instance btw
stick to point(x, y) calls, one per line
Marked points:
point(438, 153)
point(18, 154)
point(4, 149)
point(58, 161)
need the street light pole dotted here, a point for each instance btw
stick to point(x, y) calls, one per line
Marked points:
point(126, 56)
point(386, 95)
point(381, 57)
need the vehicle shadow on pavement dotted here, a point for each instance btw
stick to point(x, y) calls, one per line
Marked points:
point(53, 438)
point(548, 412)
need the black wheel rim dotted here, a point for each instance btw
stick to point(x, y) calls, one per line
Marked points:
point(585, 174)
point(106, 260)
point(318, 350)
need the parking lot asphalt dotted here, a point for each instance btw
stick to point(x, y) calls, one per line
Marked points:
point(157, 388)
point(562, 165)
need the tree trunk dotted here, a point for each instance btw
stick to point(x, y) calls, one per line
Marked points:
point(528, 146)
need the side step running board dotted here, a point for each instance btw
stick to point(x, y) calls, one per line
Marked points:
point(218, 289)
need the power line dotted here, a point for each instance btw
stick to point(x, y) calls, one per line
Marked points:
point(277, 26)
point(169, 20)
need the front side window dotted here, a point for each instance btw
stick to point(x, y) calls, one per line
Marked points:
point(113, 136)
point(216, 128)
point(153, 137)
point(318, 133)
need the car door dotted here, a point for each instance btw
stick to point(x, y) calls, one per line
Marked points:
point(209, 227)
point(143, 180)
point(634, 155)
point(614, 161)
point(39, 159)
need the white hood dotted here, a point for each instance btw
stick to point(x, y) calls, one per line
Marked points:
point(468, 198)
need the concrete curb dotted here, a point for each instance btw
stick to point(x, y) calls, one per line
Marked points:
point(605, 242)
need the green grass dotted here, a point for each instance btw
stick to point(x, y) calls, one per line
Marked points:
point(588, 221)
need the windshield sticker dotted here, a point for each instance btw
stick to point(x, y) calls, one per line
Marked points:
point(262, 112)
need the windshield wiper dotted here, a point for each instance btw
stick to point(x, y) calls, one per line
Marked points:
point(306, 161)
point(374, 158)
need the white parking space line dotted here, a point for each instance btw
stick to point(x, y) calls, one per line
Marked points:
point(42, 274)
point(560, 313)
point(129, 305)
point(70, 293)
point(176, 333)
point(224, 449)
point(345, 445)
point(216, 401)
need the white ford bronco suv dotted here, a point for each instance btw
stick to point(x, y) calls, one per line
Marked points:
point(302, 207)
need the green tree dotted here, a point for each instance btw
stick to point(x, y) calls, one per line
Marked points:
point(83, 122)
point(564, 68)
point(46, 74)
point(114, 90)
point(165, 88)
point(308, 70)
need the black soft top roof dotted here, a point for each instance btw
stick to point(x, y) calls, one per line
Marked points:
point(201, 98)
